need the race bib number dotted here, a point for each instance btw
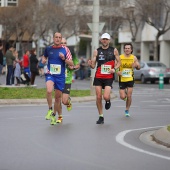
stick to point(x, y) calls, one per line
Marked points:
point(126, 73)
point(105, 69)
point(55, 69)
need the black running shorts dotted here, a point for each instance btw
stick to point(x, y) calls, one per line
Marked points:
point(102, 82)
point(124, 85)
point(67, 89)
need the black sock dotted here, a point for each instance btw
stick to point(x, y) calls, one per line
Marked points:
point(50, 108)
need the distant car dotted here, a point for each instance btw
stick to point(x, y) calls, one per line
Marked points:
point(150, 71)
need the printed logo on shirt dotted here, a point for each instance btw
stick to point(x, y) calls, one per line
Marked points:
point(101, 56)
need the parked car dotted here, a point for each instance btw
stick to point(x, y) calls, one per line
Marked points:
point(150, 71)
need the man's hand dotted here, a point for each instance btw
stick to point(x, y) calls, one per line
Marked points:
point(116, 53)
point(90, 63)
point(62, 56)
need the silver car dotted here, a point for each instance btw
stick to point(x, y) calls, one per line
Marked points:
point(150, 71)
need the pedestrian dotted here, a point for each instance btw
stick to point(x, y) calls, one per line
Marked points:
point(33, 66)
point(105, 57)
point(26, 63)
point(82, 68)
point(1, 58)
point(41, 67)
point(126, 75)
point(58, 56)
point(10, 58)
point(17, 71)
point(66, 99)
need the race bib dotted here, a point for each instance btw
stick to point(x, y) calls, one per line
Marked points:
point(105, 69)
point(126, 73)
point(55, 69)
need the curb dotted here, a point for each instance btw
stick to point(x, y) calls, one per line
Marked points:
point(162, 136)
point(44, 101)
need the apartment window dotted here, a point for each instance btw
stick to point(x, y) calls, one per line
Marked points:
point(87, 2)
point(12, 2)
point(8, 3)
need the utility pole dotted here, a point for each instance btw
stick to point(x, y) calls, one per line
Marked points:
point(95, 27)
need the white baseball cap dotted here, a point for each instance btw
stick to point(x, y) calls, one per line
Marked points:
point(105, 35)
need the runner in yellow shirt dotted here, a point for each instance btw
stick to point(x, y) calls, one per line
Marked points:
point(126, 75)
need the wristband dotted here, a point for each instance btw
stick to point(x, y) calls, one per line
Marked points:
point(116, 70)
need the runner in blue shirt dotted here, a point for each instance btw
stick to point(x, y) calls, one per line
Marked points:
point(56, 57)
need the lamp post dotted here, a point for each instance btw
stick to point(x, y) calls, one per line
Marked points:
point(95, 27)
point(95, 38)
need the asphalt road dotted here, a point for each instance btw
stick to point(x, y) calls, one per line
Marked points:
point(28, 141)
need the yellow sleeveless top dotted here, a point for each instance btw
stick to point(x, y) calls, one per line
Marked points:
point(126, 68)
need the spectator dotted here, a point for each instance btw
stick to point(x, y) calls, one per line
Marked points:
point(10, 58)
point(82, 68)
point(41, 67)
point(1, 58)
point(26, 63)
point(33, 65)
point(17, 71)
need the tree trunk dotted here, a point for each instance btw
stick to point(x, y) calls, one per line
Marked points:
point(156, 46)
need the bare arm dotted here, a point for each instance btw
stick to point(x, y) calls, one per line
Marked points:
point(68, 60)
point(75, 67)
point(92, 63)
point(117, 61)
point(136, 63)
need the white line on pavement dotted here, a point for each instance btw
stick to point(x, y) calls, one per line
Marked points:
point(120, 139)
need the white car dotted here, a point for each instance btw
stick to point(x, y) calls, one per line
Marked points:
point(151, 70)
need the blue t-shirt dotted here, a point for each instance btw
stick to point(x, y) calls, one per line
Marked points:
point(55, 65)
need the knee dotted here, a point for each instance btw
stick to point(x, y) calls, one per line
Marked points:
point(106, 98)
point(49, 92)
point(57, 99)
point(64, 101)
point(98, 97)
point(122, 97)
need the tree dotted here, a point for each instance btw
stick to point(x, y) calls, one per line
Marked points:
point(157, 14)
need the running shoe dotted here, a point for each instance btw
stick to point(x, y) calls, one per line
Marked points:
point(125, 99)
point(100, 121)
point(48, 115)
point(53, 120)
point(107, 105)
point(69, 106)
point(59, 120)
point(127, 113)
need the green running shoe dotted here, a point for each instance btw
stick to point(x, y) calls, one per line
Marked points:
point(127, 113)
point(48, 115)
point(53, 120)
point(125, 99)
point(69, 106)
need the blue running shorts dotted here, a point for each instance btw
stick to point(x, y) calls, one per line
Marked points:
point(59, 82)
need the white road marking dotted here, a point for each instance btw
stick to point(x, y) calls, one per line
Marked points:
point(120, 139)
